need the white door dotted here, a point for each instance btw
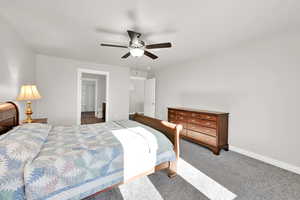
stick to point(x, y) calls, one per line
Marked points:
point(149, 101)
point(88, 96)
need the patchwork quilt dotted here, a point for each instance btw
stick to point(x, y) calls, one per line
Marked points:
point(38, 161)
point(18, 148)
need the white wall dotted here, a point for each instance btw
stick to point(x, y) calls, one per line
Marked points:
point(138, 73)
point(57, 81)
point(17, 65)
point(257, 83)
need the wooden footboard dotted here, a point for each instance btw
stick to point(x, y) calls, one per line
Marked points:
point(172, 131)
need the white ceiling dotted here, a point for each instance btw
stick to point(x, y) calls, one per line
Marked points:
point(75, 28)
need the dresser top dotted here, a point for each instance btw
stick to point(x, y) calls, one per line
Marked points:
point(198, 110)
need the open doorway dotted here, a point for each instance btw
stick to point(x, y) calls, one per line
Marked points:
point(136, 95)
point(142, 96)
point(92, 97)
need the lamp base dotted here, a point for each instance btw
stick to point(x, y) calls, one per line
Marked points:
point(28, 112)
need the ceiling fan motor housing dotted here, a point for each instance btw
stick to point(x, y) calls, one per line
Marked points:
point(136, 44)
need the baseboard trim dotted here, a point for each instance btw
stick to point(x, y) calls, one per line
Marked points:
point(136, 112)
point(266, 159)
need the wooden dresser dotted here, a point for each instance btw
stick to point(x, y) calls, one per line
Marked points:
point(207, 128)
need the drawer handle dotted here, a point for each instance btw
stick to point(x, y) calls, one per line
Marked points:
point(207, 123)
point(208, 117)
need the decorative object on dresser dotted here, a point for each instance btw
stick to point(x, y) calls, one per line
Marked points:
point(207, 128)
point(40, 120)
point(28, 93)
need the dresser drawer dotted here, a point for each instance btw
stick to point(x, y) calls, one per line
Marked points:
point(181, 113)
point(204, 116)
point(171, 116)
point(182, 118)
point(201, 129)
point(208, 117)
point(172, 111)
point(206, 139)
point(195, 115)
point(206, 123)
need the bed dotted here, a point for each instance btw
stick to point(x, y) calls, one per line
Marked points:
point(40, 161)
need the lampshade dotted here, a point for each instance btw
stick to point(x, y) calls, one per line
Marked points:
point(28, 92)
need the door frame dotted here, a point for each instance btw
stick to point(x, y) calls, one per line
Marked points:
point(138, 78)
point(96, 92)
point(80, 71)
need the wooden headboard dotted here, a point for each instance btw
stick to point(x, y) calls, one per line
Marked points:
point(9, 116)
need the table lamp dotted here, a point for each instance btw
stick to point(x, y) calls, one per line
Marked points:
point(28, 93)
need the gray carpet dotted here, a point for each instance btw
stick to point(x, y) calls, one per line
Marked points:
point(247, 178)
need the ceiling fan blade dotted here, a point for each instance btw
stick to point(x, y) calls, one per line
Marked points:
point(158, 46)
point(114, 45)
point(133, 34)
point(126, 55)
point(151, 55)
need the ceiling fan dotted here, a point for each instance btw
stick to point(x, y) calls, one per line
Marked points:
point(137, 47)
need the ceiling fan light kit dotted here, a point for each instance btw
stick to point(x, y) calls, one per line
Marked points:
point(137, 47)
point(136, 52)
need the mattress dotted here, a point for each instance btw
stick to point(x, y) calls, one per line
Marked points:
point(74, 162)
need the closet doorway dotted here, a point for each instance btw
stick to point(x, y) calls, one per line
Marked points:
point(92, 96)
point(142, 96)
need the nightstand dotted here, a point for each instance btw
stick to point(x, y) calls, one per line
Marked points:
point(41, 121)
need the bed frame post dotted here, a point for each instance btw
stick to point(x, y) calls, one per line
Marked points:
point(172, 171)
point(172, 131)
